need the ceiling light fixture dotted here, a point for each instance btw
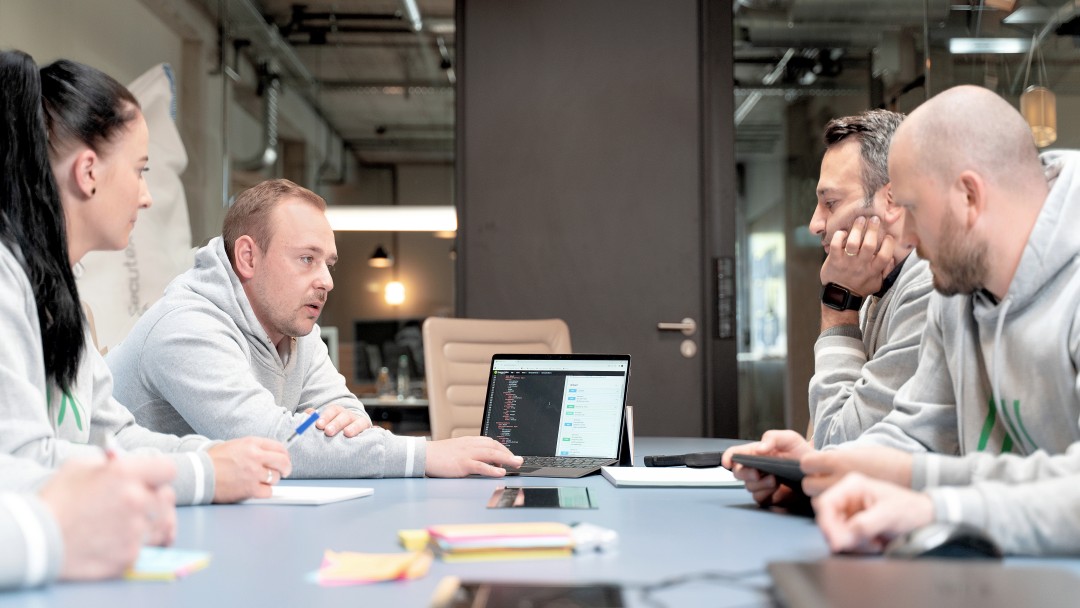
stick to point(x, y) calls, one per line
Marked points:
point(395, 293)
point(982, 46)
point(1038, 104)
point(392, 218)
point(380, 258)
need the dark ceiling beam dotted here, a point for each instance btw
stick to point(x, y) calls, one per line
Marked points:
point(358, 44)
point(427, 144)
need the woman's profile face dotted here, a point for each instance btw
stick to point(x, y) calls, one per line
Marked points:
point(121, 189)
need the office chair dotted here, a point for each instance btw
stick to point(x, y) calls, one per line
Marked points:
point(457, 356)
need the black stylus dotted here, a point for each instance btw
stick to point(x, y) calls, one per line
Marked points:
point(696, 460)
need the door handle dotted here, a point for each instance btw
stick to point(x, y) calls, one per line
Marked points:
point(687, 326)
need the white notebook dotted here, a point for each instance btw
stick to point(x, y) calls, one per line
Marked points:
point(670, 477)
point(310, 495)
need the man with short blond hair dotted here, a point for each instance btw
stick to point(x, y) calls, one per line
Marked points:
point(232, 349)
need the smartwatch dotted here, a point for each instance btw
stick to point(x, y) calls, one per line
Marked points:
point(839, 297)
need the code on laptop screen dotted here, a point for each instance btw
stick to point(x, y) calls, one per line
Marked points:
point(557, 407)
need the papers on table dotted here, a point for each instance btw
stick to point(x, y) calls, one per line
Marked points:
point(166, 564)
point(673, 477)
point(309, 495)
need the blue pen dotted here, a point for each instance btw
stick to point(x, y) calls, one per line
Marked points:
point(303, 427)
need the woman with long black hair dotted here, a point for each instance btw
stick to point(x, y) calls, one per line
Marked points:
point(73, 143)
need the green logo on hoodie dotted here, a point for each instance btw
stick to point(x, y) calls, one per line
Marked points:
point(1008, 423)
point(66, 399)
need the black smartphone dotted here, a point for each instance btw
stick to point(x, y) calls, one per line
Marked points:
point(786, 470)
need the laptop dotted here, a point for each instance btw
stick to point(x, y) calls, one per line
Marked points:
point(841, 582)
point(563, 414)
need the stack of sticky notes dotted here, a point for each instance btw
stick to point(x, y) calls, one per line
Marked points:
point(349, 568)
point(499, 541)
point(166, 564)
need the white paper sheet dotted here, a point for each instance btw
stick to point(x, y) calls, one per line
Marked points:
point(310, 495)
point(676, 477)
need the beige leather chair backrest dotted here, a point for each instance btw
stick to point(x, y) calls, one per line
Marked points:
point(457, 357)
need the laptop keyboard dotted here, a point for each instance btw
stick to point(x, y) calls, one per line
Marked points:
point(563, 462)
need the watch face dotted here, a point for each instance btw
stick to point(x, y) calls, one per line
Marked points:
point(835, 296)
point(840, 298)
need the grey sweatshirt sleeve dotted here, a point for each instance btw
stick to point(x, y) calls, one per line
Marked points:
point(924, 410)
point(25, 427)
point(930, 470)
point(31, 541)
point(1037, 518)
point(848, 393)
point(192, 361)
point(21, 475)
point(194, 483)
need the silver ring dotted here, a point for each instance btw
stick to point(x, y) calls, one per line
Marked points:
point(849, 254)
point(269, 477)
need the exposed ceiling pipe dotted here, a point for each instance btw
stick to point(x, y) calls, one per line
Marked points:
point(271, 85)
point(413, 14)
point(753, 98)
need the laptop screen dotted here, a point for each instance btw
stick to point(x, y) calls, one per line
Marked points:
point(557, 405)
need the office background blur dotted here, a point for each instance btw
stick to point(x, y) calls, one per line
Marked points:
point(616, 163)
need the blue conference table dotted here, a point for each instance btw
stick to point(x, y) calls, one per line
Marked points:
point(265, 555)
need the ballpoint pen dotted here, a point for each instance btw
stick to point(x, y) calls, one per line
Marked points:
point(303, 427)
point(110, 446)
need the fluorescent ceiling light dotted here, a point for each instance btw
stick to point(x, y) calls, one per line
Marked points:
point(392, 218)
point(978, 46)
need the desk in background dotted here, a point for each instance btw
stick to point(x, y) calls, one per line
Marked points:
point(262, 556)
point(402, 416)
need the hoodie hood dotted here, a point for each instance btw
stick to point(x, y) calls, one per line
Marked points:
point(1054, 239)
point(213, 278)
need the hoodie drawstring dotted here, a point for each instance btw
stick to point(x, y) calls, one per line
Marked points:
point(995, 381)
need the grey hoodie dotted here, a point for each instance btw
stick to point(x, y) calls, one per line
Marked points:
point(1034, 518)
point(997, 393)
point(858, 371)
point(29, 534)
point(199, 360)
point(39, 423)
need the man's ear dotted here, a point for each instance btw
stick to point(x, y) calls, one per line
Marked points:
point(245, 257)
point(972, 189)
point(893, 212)
point(85, 168)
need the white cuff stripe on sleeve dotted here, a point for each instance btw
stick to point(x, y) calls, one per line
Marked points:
point(832, 351)
point(198, 478)
point(953, 508)
point(37, 562)
point(410, 458)
point(933, 470)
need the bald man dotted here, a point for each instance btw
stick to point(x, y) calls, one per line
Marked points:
point(996, 394)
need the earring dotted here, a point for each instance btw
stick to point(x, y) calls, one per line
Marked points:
point(93, 191)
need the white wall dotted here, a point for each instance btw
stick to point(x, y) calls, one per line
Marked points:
point(99, 33)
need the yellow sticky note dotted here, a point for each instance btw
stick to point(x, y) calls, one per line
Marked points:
point(414, 540)
point(345, 567)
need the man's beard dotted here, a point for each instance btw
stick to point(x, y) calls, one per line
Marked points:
point(960, 267)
